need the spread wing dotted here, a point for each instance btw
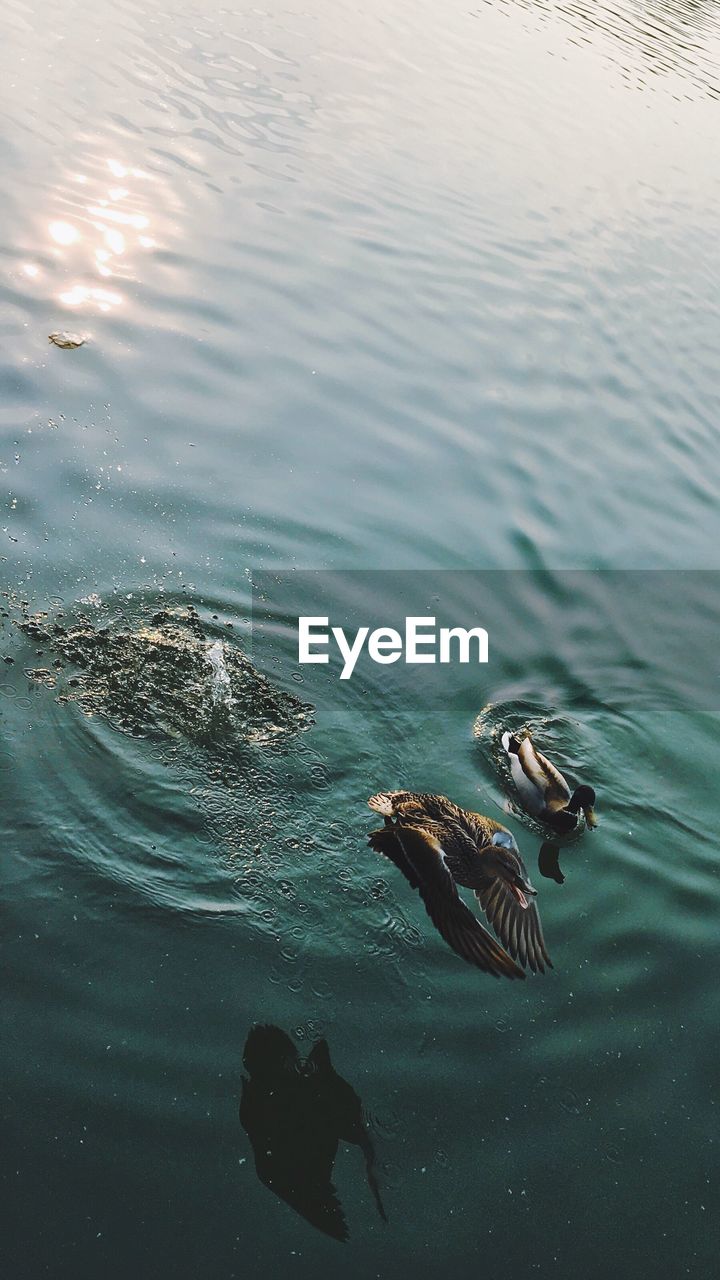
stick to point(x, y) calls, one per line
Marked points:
point(518, 928)
point(420, 857)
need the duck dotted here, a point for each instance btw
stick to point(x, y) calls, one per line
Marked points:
point(438, 846)
point(544, 791)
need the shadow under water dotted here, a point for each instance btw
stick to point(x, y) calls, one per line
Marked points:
point(295, 1114)
point(549, 862)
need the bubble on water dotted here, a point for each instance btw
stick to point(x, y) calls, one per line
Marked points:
point(41, 675)
point(321, 989)
point(379, 889)
point(402, 931)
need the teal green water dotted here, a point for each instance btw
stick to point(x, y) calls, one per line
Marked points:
point(420, 288)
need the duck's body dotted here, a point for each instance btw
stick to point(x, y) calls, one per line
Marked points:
point(544, 791)
point(438, 846)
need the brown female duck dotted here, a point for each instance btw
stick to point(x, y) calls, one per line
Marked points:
point(438, 846)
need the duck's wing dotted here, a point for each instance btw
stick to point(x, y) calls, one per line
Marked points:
point(542, 774)
point(420, 857)
point(517, 927)
point(481, 828)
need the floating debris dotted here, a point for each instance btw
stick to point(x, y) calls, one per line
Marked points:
point(68, 341)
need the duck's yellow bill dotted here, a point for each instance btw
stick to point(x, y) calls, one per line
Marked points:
point(590, 818)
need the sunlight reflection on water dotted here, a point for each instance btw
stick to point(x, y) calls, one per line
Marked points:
point(105, 249)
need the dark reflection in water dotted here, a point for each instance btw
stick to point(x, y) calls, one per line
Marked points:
point(295, 1113)
point(670, 35)
point(549, 862)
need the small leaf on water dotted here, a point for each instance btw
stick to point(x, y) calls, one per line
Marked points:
point(66, 340)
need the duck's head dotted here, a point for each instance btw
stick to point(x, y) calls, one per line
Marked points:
point(582, 798)
point(504, 859)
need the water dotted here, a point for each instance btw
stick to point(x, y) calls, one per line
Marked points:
point(416, 287)
point(220, 682)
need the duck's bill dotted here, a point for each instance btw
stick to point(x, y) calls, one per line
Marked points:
point(590, 818)
point(524, 894)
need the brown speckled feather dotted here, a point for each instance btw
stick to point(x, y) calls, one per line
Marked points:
point(518, 929)
point(420, 858)
point(459, 831)
point(437, 846)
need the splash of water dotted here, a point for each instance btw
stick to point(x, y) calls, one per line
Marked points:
point(220, 686)
point(160, 675)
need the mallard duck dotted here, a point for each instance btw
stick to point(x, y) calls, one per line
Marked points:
point(543, 790)
point(438, 846)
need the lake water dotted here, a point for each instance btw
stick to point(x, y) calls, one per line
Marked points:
point(386, 310)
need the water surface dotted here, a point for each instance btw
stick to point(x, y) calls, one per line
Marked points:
point(415, 287)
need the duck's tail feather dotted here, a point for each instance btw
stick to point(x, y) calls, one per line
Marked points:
point(383, 803)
